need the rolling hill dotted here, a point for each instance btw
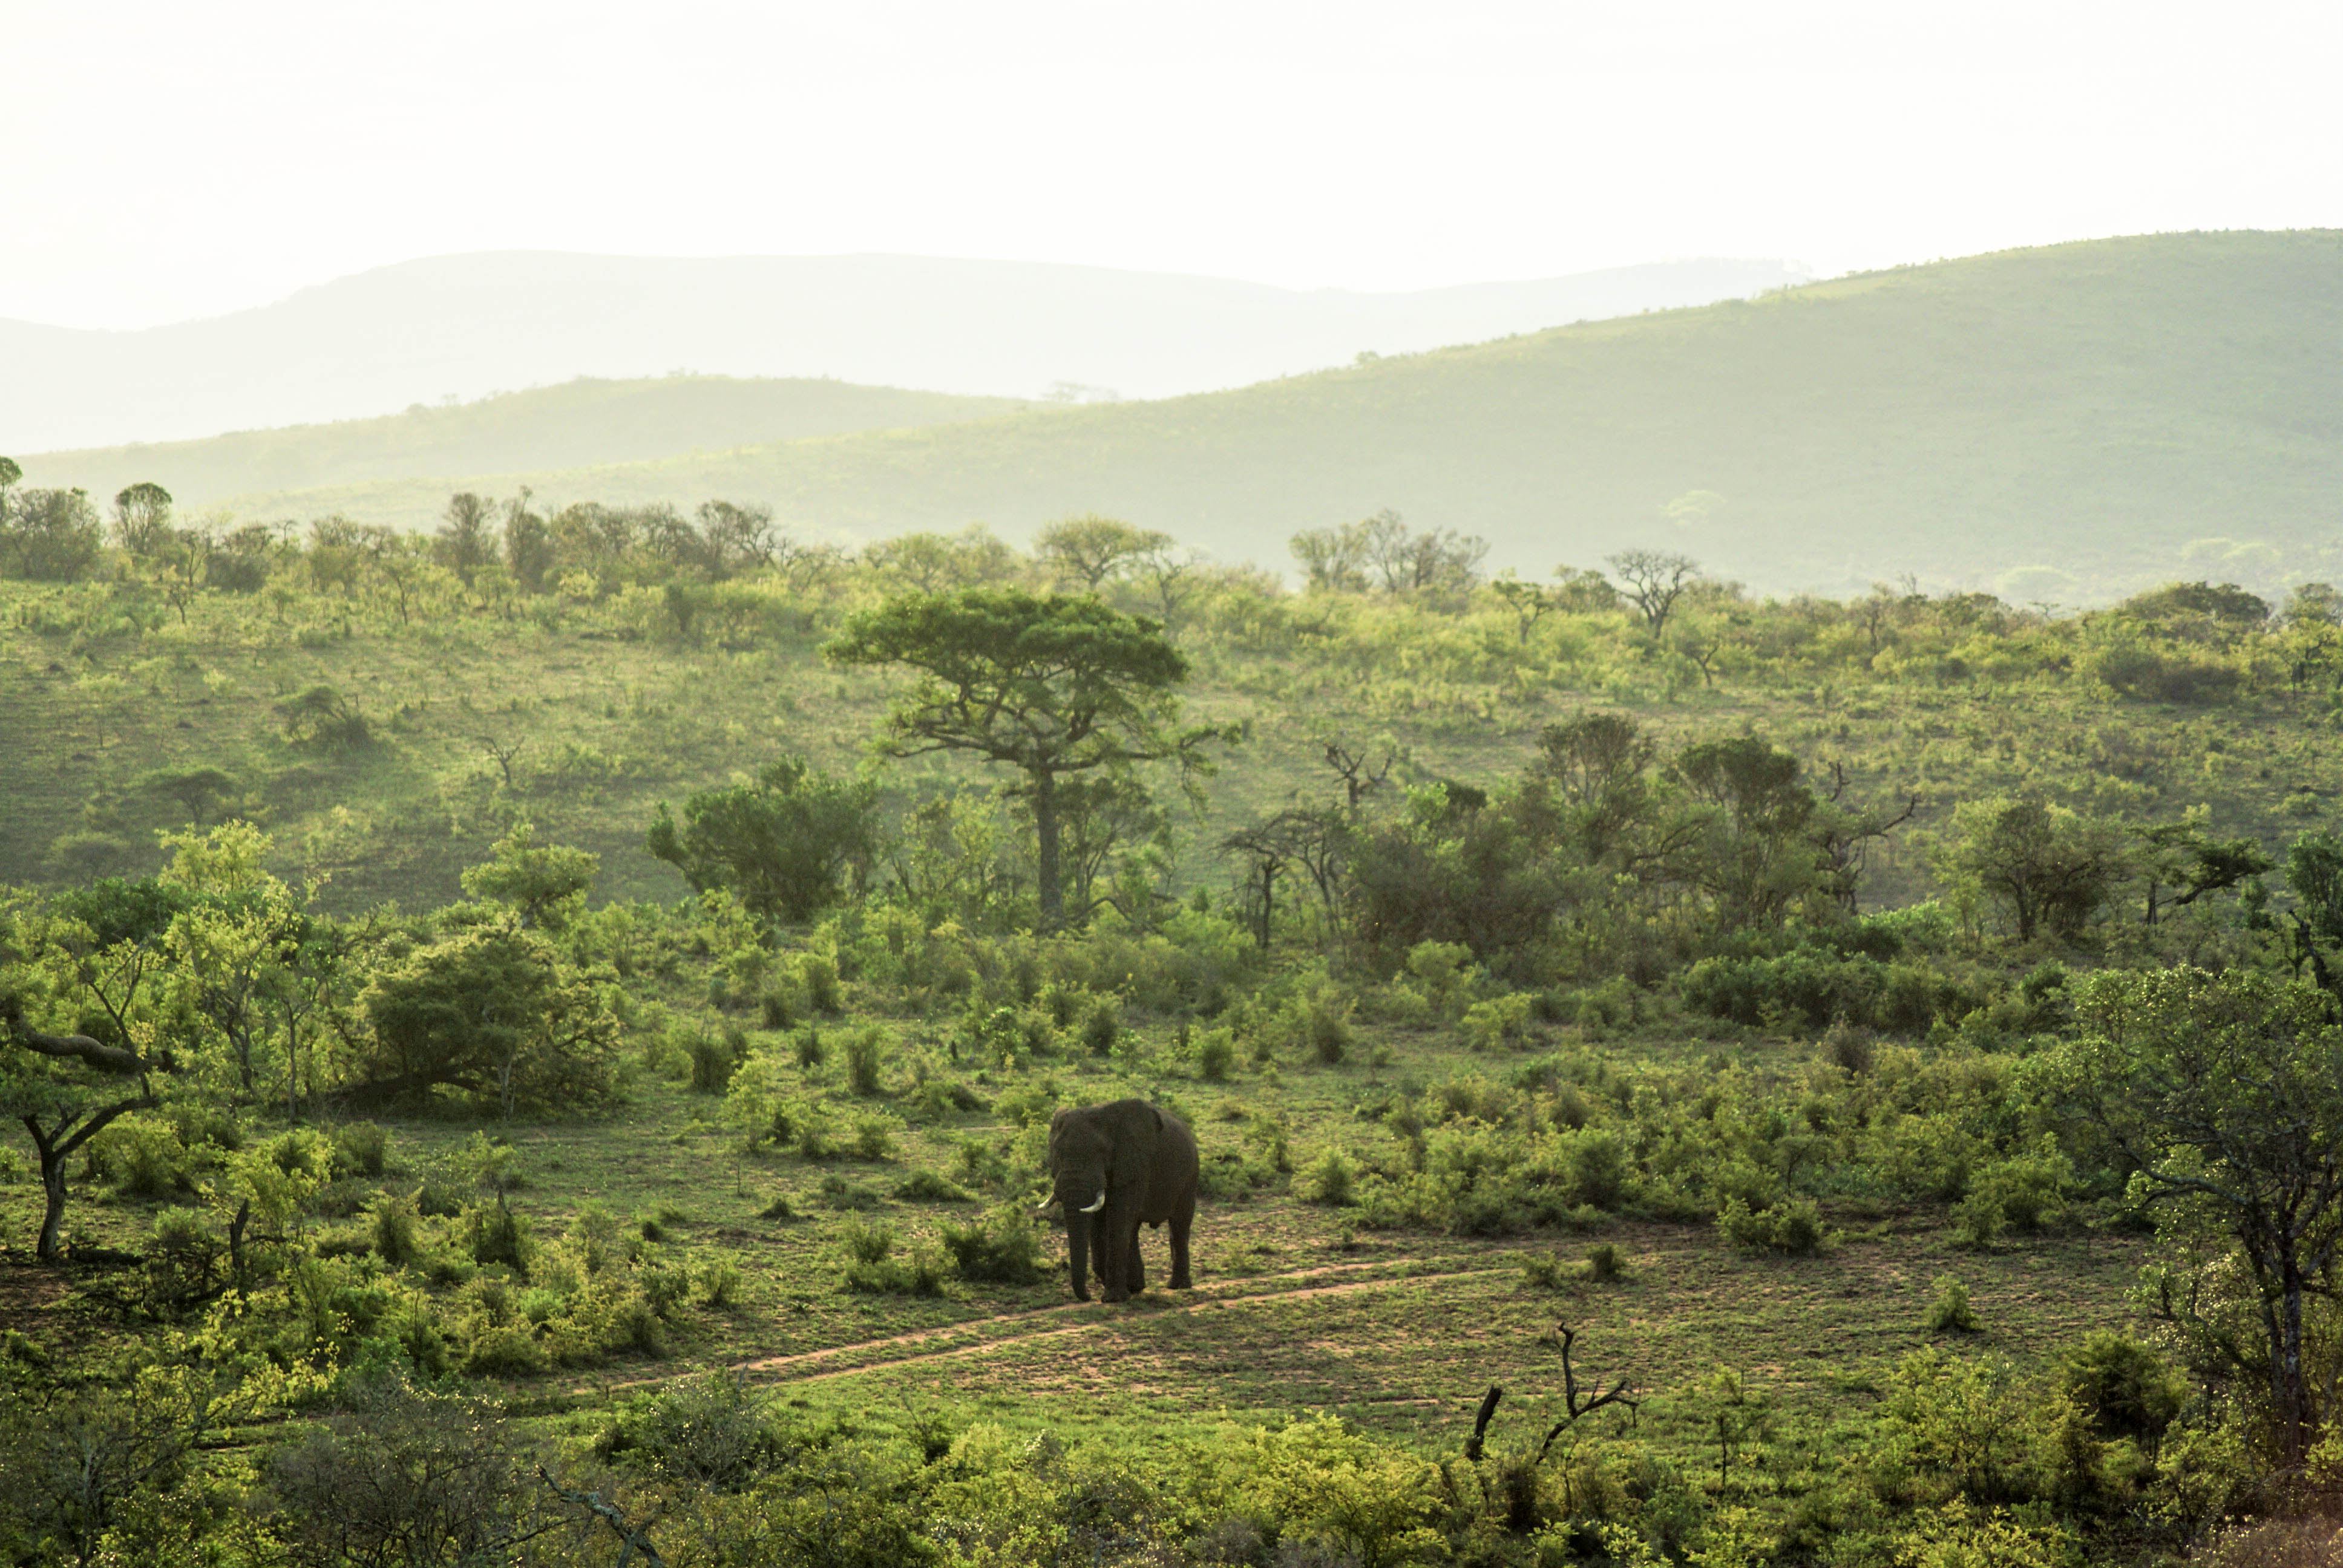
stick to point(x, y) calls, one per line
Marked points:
point(2063, 423)
point(579, 424)
point(466, 325)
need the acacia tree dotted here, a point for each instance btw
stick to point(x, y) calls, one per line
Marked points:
point(1052, 686)
point(1089, 549)
point(2224, 1094)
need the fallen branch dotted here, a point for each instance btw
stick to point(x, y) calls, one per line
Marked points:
point(632, 1538)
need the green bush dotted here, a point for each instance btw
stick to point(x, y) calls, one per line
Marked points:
point(2124, 1387)
point(714, 1059)
point(497, 1235)
point(361, 1149)
point(871, 1267)
point(146, 1159)
point(1791, 1225)
point(1002, 1246)
point(1102, 1026)
point(874, 1136)
point(1603, 1261)
point(1329, 1179)
point(865, 1053)
point(1950, 1312)
point(719, 1279)
point(1215, 1054)
point(393, 1229)
point(927, 1187)
point(1500, 1020)
point(817, 976)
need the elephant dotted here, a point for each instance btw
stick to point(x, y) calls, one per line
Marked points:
point(1116, 1167)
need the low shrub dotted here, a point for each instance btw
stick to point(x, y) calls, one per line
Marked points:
point(360, 1149)
point(1215, 1053)
point(1003, 1246)
point(866, 1051)
point(1791, 1225)
point(927, 1187)
point(1951, 1313)
point(1329, 1179)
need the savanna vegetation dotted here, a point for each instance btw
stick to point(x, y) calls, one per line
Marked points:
point(536, 1042)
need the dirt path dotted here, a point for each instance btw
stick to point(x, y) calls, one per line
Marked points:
point(1095, 1317)
point(1037, 1323)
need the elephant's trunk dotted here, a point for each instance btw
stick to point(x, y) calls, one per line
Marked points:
point(1078, 1249)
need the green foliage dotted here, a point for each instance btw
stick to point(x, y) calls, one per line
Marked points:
point(543, 885)
point(1002, 1246)
point(494, 1015)
point(1950, 1312)
point(789, 844)
point(866, 1056)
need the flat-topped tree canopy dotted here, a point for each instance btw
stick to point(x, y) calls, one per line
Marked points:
point(1051, 685)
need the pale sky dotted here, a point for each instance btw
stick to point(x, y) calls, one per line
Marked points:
point(163, 160)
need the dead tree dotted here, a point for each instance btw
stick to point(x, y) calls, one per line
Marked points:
point(1360, 778)
point(1576, 1404)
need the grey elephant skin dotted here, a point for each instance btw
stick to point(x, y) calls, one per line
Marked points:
point(1116, 1167)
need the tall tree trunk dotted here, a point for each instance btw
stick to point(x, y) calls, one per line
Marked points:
point(57, 1145)
point(2293, 1411)
point(1045, 864)
point(52, 1190)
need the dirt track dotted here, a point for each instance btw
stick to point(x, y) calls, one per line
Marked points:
point(1037, 1323)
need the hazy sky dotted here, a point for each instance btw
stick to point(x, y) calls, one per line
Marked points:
point(166, 159)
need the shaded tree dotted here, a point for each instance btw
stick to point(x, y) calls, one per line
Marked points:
point(50, 536)
point(2223, 1095)
point(463, 543)
point(493, 1013)
point(2049, 866)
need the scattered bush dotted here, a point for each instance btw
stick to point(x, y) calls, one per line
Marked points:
point(1215, 1054)
point(1329, 1179)
point(1951, 1313)
point(1603, 1261)
point(927, 1187)
point(865, 1053)
point(361, 1149)
point(1002, 1246)
point(1792, 1225)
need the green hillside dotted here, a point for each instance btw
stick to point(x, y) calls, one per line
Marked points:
point(2066, 422)
point(580, 423)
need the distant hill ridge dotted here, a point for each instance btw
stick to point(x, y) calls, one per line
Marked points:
point(2068, 423)
point(581, 423)
point(470, 324)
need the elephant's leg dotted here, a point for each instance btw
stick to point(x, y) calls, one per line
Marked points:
point(1181, 1222)
point(1137, 1270)
point(1115, 1261)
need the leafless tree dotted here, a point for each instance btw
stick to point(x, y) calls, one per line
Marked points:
point(1656, 580)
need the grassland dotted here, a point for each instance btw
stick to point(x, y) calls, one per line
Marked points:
point(2067, 424)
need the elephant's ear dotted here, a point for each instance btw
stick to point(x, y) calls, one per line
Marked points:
point(1158, 1114)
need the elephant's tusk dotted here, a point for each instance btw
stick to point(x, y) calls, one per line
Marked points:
point(1095, 1207)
